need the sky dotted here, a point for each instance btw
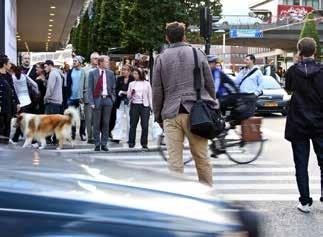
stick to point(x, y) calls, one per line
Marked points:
point(235, 6)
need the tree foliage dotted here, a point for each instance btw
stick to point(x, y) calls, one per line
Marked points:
point(95, 21)
point(192, 9)
point(84, 36)
point(310, 30)
point(143, 22)
point(138, 25)
point(109, 31)
point(76, 39)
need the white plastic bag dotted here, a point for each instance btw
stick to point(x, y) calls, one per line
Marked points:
point(156, 131)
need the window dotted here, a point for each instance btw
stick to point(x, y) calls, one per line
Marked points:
point(312, 3)
point(291, 2)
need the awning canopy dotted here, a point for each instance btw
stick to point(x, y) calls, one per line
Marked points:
point(45, 25)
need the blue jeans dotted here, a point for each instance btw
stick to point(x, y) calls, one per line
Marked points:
point(301, 152)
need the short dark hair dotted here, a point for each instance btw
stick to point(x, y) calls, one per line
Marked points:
point(306, 47)
point(252, 57)
point(3, 60)
point(175, 32)
point(49, 62)
point(140, 73)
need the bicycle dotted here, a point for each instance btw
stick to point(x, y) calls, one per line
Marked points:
point(230, 143)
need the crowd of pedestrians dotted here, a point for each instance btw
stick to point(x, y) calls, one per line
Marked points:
point(97, 92)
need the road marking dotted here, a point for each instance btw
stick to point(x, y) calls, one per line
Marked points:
point(264, 197)
point(252, 186)
point(157, 160)
point(261, 178)
point(254, 170)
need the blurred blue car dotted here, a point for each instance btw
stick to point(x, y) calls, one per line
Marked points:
point(45, 194)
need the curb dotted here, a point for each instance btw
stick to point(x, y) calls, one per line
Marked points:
point(111, 150)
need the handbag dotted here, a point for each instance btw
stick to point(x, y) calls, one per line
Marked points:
point(205, 121)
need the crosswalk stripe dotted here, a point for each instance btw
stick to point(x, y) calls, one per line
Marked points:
point(157, 160)
point(253, 186)
point(254, 170)
point(261, 178)
point(264, 197)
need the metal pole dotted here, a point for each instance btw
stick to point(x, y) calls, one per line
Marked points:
point(207, 45)
point(223, 48)
point(2, 26)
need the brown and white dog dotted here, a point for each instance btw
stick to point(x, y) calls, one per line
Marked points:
point(38, 127)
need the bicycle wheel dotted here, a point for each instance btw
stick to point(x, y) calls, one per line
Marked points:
point(163, 151)
point(242, 152)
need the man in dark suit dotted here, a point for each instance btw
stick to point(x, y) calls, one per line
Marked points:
point(101, 93)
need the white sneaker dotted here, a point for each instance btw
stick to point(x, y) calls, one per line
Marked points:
point(12, 142)
point(304, 208)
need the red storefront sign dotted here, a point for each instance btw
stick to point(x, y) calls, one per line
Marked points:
point(287, 14)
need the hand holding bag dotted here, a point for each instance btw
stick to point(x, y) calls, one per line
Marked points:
point(204, 120)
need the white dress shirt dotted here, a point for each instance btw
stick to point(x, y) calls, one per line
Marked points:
point(104, 88)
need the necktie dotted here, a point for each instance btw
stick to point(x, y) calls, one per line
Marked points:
point(99, 85)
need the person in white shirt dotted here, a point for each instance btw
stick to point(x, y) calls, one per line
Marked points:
point(140, 96)
point(20, 82)
point(250, 78)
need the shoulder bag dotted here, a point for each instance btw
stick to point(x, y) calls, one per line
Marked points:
point(204, 120)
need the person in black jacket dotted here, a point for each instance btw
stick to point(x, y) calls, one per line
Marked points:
point(9, 103)
point(121, 129)
point(305, 116)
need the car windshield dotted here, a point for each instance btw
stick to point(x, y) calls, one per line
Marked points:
point(270, 83)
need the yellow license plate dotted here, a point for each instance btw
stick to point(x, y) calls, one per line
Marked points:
point(271, 104)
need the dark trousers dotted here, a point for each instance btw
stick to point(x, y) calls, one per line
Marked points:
point(139, 111)
point(5, 123)
point(301, 152)
point(102, 112)
point(76, 104)
point(51, 108)
point(18, 132)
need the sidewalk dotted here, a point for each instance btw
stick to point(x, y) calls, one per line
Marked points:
point(84, 147)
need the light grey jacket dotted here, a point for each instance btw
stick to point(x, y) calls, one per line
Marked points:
point(93, 79)
point(173, 81)
point(87, 70)
point(54, 92)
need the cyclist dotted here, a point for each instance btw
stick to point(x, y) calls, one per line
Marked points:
point(224, 86)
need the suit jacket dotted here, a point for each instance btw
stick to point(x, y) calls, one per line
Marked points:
point(93, 79)
point(173, 81)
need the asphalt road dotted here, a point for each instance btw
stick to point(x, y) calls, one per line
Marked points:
point(266, 186)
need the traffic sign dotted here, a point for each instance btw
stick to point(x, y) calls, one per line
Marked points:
point(246, 33)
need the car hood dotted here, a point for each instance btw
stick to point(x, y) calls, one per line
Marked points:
point(109, 183)
point(273, 94)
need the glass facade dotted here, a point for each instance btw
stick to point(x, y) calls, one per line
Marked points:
point(311, 3)
point(291, 2)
